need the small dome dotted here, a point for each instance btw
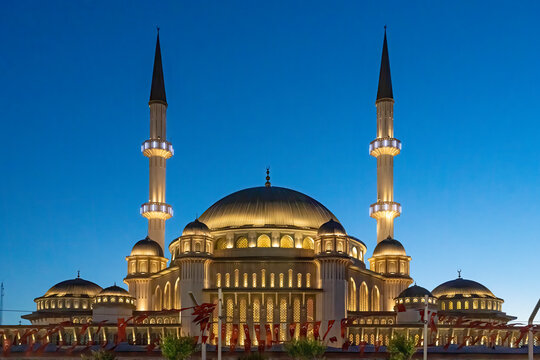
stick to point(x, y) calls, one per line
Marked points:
point(147, 247)
point(196, 228)
point(331, 227)
point(462, 286)
point(414, 291)
point(389, 246)
point(74, 288)
point(114, 291)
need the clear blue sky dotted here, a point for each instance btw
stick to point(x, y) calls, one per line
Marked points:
point(290, 84)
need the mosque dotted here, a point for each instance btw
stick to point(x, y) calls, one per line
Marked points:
point(278, 255)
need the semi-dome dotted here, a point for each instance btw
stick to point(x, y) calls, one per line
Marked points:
point(266, 207)
point(331, 227)
point(389, 246)
point(147, 247)
point(74, 288)
point(196, 228)
point(414, 291)
point(114, 291)
point(462, 287)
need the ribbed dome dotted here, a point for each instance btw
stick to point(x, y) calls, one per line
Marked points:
point(114, 291)
point(147, 247)
point(331, 227)
point(389, 246)
point(266, 207)
point(415, 291)
point(462, 286)
point(196, 228)
point(74, 288)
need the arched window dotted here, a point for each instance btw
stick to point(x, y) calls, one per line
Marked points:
point(221, 244)
point(443, 306)
point(308, 280)
point(354, 252)
point(254, 280)
point(263, 278)
point(328, 246)
point(375, 299)
point(158, 299)
point(352, 295)
point(299, 280)
point(307, 243)
point(450, 305)
point(186, 246)
point(198, 247)
point(236, 278)
point(167, 296)
point(256, 310)
point(361, 256)
point(364, 297)
point(272, 280)
point(281, 280)
point(245, 280)
point(466, 303)
point(242, 242)
point(227, 280)
point(177, 294)
point(286, 242)
point(290, 277)
point(243, 310)
point(458, 305)
point(475, 304)
point(340, 246)
point(482, 304)
point(218, 280)
point(263, 241)
point(283, 318)
point(310, 310)
point(269, 310)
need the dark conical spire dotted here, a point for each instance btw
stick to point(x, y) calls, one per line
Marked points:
point(385, 81)
point(157, 93)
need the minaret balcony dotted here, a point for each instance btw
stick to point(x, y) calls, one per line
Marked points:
point(385, 209)
point(385, 146)
point(156, 147)
point(156, 210)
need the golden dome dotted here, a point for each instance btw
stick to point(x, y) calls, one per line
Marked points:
point(331, 227)
point(460, 287)
point(147, 247)
point(74, 288)
point(114, 291)
point(266, 207)
point(196, 228)
point(390, 247)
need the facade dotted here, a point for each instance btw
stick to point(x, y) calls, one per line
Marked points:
point(278, 255)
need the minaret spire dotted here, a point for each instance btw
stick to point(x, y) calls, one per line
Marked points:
point(385, 80)
point(158, 150)
point(384, 148)
point(157, 92)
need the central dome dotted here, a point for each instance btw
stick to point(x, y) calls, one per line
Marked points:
point(266, 207)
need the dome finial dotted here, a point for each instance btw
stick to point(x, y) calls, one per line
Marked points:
point(459, 274)
point(267, 184)
point(78, 274)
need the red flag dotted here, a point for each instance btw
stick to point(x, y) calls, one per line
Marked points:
point(400, 308)
point(257, 329)
point(432, 325)
point(316, 327)
point(508, 333)
point(247, 339)
point(150, 347)
point(330, 324)
point(268, 336)
point(343, 327)
point(304, 329)
point(234, 337)
point(475, 340)
point(522, 334)
point(345, 346)
point(261, 346)
point(139, 319)
point(377, 345)
point(276, 333)
point(447, 345)
point(292, 329)
point(223, 332)
point(362, 347)
point(6, 346)
point(465, 338)
point(121, 334)
point(204, 338)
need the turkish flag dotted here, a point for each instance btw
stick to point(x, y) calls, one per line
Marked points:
point(304, 329)
point(234, 337)
point(333, 339)
point(401, 308)
point(316, 327)
point(362, 347)
point(121, 334)
point(343, 327)
point(276, 333)
point(247, 339)
point(345, 346)
point(292, 329)
point(257, 329)
point(223, 332)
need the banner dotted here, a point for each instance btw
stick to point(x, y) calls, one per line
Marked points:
point(292, 329)
point(316, 327)
point(276, 333)
point(234, 337)
point(343, 327)
point(304, 329)
point(330, 324)
point(247, 339)
point(268, 336)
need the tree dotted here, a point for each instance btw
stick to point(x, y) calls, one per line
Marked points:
point(100, 355)
point(305, 349)
point(174, 348)
point(401, 348)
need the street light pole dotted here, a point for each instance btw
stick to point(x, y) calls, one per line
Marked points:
point(531, 335)
point(220, 304)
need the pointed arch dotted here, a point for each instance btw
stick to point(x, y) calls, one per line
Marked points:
point(167, 296)
point(177, 294)
point(286, 242)
point(375, 299)
point(158, 299)
point(263, 241)
point(352, 295)
point(364, 297)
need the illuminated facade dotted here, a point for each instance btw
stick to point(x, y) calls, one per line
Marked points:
point(278, 255)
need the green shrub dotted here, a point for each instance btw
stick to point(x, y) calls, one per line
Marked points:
point(401, 348)
point(174, 348)
point(305, 349)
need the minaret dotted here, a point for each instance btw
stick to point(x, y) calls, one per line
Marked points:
point(158, 150)
point(384, 148)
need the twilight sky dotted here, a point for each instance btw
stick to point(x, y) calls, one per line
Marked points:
point(289, 84)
